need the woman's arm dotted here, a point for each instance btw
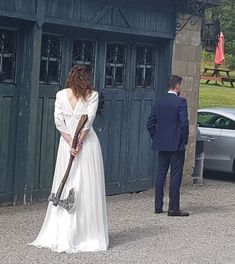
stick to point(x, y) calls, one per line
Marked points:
point(91, 112)
point(60, 124)
point(67, 138)
point(81, 139)
point(83, 135)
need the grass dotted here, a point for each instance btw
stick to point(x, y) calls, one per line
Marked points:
point(216, 95)
point(232, 74)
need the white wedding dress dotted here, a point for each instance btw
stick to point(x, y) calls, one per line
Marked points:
point(85, 229)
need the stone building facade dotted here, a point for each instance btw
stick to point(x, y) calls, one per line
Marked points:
point(186, 63)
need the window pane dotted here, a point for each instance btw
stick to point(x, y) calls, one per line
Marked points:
point(109, 74)
point(139, 55)
point(145, 58)
point(54, 47)
point(7, 55)
point(8, 68)
point(115, 65)
point(84, 53)
point(148, 77)
point(9, 42)
point(121, 54)
point(43, 71)
point(45, 44)
point(53, 69)
point(119, 76)
point(111, 53)
point(139, 74)
point(51, 51)
point(89, 51)
point(149, 56)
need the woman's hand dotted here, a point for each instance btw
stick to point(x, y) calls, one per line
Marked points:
point(79, 145)
point(73, 151)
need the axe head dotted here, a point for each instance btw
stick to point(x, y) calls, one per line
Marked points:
point(67, 203)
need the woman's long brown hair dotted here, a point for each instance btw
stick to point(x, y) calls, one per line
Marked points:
point(79, 81)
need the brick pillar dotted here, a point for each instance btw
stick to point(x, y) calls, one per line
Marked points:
point(186, 63)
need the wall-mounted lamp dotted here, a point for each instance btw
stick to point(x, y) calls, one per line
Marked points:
point(210, 33)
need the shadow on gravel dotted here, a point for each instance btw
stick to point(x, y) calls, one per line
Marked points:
point(134, 234)
point(198, 209)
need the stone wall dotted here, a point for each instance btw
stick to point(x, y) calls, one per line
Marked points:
point(186, 63)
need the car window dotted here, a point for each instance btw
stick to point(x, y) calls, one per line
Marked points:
point(205, 119)
point(229, 124)
point(211, 120)
point(221, 122)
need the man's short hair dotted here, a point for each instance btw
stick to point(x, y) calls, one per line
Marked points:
point(173, 80)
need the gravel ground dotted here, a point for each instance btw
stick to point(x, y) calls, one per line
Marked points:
point(137, 235)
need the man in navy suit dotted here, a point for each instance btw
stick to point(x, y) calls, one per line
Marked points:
point(168, 127)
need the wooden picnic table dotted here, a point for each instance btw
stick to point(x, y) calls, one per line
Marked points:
point(216, 74)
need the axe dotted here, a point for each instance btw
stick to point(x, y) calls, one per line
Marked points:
point(68, 203)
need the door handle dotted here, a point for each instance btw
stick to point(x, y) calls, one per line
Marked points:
point(207, 138)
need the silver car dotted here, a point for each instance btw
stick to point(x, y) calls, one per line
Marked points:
point(217, 129)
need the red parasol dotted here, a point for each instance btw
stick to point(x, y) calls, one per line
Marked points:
point(219, 52)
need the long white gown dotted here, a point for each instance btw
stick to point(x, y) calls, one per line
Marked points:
point(85, 229)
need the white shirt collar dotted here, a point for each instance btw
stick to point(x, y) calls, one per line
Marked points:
point(172, 92)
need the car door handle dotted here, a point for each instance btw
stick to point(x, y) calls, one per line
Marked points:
point(207, 138)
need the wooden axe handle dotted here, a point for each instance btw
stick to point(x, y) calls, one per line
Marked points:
point(79, 128)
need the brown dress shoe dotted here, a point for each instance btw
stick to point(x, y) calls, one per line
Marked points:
point(177, 213)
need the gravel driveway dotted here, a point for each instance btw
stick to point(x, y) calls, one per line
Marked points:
point(137, 235)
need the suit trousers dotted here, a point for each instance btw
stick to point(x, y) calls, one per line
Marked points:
point(174, 160)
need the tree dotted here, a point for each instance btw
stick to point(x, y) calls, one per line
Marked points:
point(227, 18)
point(226, 15)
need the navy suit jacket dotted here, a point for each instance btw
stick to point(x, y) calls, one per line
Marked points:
point(168, 123)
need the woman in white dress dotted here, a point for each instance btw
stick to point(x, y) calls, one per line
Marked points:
point(85, 229)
